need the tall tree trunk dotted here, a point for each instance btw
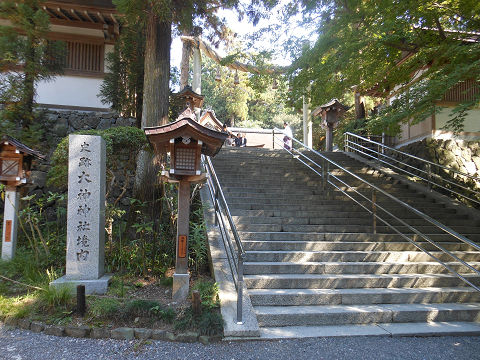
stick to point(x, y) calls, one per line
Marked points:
point(28, 84)
point(185, 64)
point(156, 92)
point(157, 72)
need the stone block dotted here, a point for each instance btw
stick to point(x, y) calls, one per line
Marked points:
point(142, 333)
point(61, 127)
point(158, 334)
point(37, 326)
point(24, 324)
point(203, 339)
point(125, 122)
point(77, 331)
point(55, 330)
point(170, 336)
point(39, 178)
point(123, 333)
point(180, 287)
point(104, 124)
point(100, 333)
point(188, 337)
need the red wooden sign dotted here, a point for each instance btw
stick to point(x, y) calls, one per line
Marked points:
point(8, 231)
point(182, 246)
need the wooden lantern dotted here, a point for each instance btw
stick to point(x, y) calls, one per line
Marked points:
point(15, 161)
point(331, 113)
point(185, 140)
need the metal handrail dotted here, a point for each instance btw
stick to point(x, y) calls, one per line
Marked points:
point(327, 177)
point(432, 178)
point(223, 218)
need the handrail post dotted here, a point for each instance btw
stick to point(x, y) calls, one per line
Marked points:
point(429, 176)
point(273, 138)
point(327, 180)
point(345, 142)
point(240, 288)
point(374, 211)
point(323, 176)
point(216, 203)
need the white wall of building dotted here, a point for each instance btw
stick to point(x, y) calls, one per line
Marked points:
point(70, 91)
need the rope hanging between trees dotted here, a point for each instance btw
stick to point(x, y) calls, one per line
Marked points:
point(235, 65)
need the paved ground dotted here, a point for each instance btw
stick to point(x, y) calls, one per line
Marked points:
point(20, 344)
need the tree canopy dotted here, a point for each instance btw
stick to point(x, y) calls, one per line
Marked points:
point(418, 49)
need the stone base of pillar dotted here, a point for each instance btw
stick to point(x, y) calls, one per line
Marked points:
point(180, 287)
point(98, 286)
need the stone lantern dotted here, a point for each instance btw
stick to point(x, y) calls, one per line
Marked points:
point(15, 164)
point(331, 113)
point(185, 140)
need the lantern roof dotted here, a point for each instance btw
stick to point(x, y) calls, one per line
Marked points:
point(6, 139)
point(188, 94)
point(185, 126)
point(209, 119)
point(333, 104)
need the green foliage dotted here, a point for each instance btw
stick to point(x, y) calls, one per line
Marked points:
point(104, 307)
point(123, 83)
point(208, 293)
point(117, 139)
point(379, 45)
point(25, 43)
point(15, 307)
point(210, 323)
point(136, 308)
point(167, 315)
point(197, 242)
point(56, 297)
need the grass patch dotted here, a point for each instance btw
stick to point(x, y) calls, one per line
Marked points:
point(104, 307)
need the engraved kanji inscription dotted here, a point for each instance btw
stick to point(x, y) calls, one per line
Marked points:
point(83, 210)
point(84, 176)
point(85, 147)
point(83, 194)
point(82, 255)
point(83, 241)
point(85, 162)
point(83, 226)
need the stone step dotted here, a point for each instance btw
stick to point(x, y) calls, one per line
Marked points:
point(360, 213)
point(357, 256)
point(365, 314)
point(353, 219)
point(299, 245)
point(451, 328)
point(349, 281)
point(361, 267)
point(330, 236)
point(425, 229)
point(291, 297)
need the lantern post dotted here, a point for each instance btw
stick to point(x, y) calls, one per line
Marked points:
point(331, 113)
point(15, 164)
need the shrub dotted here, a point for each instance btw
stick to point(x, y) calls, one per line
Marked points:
point(104, 307)
point(208, 292)
point(210, 323)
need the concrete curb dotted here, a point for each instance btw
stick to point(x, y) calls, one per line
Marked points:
point(224, 279)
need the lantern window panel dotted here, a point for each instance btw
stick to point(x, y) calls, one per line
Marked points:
point(185, 158)
point(9, 167)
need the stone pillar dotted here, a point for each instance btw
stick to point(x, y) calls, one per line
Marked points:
point(10, 223)
point(181, 277)
point(307, 123)
point(197, 76)
point(86, 215)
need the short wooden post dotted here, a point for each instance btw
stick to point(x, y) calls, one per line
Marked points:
point(196, 302)
point(81, 304)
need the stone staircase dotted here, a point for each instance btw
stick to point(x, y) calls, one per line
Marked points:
point(314, 264)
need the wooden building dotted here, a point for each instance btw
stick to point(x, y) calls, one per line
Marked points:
point(89, 29)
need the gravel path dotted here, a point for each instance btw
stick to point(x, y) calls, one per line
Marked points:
point(21, 344)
